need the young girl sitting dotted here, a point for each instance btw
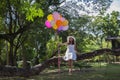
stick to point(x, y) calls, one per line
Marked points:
point(70, 54)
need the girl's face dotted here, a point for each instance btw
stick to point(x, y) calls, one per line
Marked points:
point(71, 39)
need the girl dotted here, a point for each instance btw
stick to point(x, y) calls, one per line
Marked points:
point(70, 54)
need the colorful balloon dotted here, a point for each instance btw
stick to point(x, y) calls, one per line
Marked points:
point(47, 23)
point(65, 28)
point(55, 27)
point(56, 16)
point(65, 23)
point(60, 28)
point(62, 19)
point(52, 23)
point(59, 23)
point(50, 17)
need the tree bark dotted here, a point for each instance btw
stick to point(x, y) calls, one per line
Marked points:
point(10, 55)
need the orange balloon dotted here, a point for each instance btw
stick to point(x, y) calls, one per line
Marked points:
point(59, 23)
point(65, 23)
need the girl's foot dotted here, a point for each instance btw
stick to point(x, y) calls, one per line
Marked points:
point(69, 73)
point(70, 70)
point(59, 71)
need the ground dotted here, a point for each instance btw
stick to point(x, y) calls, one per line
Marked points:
point(100, 71)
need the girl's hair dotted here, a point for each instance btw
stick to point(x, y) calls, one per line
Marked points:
point(68, 40)
point(73, 41)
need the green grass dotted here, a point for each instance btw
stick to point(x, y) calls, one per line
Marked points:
point(102, 72)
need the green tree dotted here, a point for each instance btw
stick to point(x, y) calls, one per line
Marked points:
point(17, 18)
point(107, 25)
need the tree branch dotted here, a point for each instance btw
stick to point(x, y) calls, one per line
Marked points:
point(35, 70)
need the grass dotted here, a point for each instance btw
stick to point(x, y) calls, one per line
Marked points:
point(102, 72)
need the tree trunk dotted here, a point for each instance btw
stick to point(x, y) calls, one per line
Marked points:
point(0, 58)
point(7, 53)
point(24, 57)
point(10, 54)
point(14, 59)
point(117, 58)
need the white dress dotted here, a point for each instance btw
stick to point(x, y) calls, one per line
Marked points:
point(70, 53)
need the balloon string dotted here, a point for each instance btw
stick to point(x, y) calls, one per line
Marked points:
point(59, 61)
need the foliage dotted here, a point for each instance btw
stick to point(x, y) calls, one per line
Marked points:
point(16, 21)
point(22, 25)
point(32, 10)
point(108, 25)
point(52, 45)
point(2, 56)
point(78, 8)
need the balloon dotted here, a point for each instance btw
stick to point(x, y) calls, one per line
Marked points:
point(60, 16)
point(65, 28)
point(55, 27)
point(62, 19)
point(56, 16)
point(47, 23)
point(59, 23)
point(65, 23)
point(52, 23)
point(50, 17)
point(60, 28)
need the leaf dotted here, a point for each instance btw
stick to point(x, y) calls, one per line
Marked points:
point(40, 13)
point(31, 11)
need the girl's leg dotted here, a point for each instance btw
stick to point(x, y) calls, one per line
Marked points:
point(70, 63)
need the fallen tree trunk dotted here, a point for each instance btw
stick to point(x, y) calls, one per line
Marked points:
point(35, 70)
point(93, 54)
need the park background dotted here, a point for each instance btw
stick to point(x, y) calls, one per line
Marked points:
point(25, 41)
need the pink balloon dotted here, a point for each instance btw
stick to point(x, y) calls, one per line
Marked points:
point(56, 16)
point(47, 23)
point(62, 19)
point(65, 28)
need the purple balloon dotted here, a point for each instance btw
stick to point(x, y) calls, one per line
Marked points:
point(60, 28)
point(65, 28)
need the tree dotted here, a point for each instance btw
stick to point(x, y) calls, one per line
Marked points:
point(17, 18)
point(77, 8)
point(107, 25)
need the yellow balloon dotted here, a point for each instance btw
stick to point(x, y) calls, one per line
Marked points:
point(50, 17)
point(65, 23)
point(55, 27)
